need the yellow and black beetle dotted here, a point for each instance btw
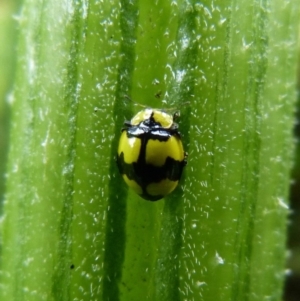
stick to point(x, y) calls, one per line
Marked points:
point(151, 157)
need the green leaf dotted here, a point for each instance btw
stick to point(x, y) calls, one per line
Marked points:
point(71, 230)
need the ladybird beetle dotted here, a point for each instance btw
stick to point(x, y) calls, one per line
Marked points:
point(150, 154)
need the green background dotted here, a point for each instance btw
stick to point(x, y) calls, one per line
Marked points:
point(71, 226)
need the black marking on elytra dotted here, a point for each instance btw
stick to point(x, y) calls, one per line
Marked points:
point(141, 172)
point(145, 174)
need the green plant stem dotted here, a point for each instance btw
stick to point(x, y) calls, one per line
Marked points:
point(71, 230)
